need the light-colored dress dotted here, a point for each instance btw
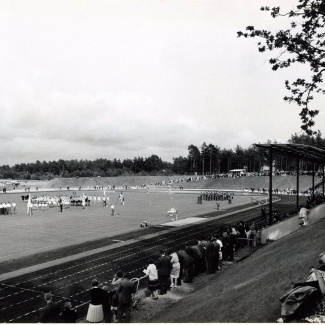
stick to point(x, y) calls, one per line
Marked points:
point(176, 266)
point(152, 273)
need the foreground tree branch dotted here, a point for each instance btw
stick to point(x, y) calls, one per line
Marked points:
point(303, 43)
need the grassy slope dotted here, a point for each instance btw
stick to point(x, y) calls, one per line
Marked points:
point(279, 182)
point(249, 291)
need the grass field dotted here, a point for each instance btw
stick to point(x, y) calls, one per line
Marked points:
point(50, 229)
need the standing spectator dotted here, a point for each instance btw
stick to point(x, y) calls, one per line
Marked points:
point(95, 311)
point(181, 268)
point(263, 214)
point(174, 273)
point(201, 261)
point(202, 245)
point(51, 312)
point(242, 234)
point(126, 293)
point(252, 238)
point(117, 279)
point(219, 242)
point(187, 262)
point(106, 305)
point(211, 257)
point(152, 273)
point(164, 267)
point(232, 243)
point(69, 314)
point(303, 216)
point(190, 251)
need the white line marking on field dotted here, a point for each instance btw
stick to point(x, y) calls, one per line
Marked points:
point(118, 240)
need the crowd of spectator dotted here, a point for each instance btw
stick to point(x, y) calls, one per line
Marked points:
point(173, 266)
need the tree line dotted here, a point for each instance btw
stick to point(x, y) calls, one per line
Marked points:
point(207, 159)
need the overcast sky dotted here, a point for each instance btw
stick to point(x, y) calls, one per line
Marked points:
point(123, 79)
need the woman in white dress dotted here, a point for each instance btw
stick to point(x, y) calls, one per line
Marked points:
point(174, 274)
point(152, 273)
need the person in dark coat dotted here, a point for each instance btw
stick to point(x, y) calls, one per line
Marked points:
point(126, 291)
point(69, 314)
point(193, 253)
point(106, 305)
point(51, 312)
point(95, 311)
point(202, 244)
point(210, 257)
point(187, 262)
point(164, 266)
point(201, 260)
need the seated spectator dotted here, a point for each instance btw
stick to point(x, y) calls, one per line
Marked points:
point(306, 300)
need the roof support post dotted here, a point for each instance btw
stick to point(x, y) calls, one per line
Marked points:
point(313, 178)
point(323, 178)
point(297, 183)
point(270, 186)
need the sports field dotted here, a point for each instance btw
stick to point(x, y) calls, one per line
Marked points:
point(22, 235)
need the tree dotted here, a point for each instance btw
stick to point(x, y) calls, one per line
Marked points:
point(303, 42)
point(194, 156)
point(204, 151)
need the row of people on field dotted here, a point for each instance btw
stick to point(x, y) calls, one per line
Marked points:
point(7, 208)
point(217, 195)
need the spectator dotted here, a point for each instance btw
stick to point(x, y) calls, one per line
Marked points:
point(202, 245)
point(174, 273)
point(51, 312)
point(152, 273)
point(187, 262)
point(117, 279)
point(126, 293)
point(69, 314)
point(106, 305)
point(210, 257)
point(303, 216)
point(190, 251)
point(252, 239)
point(219, 242)
point(164, 267)
point(95, 311)
point(201, 261)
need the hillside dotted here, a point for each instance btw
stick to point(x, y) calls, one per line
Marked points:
point(280, 182)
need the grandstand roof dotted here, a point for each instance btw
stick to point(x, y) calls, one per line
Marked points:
point(300, 151)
